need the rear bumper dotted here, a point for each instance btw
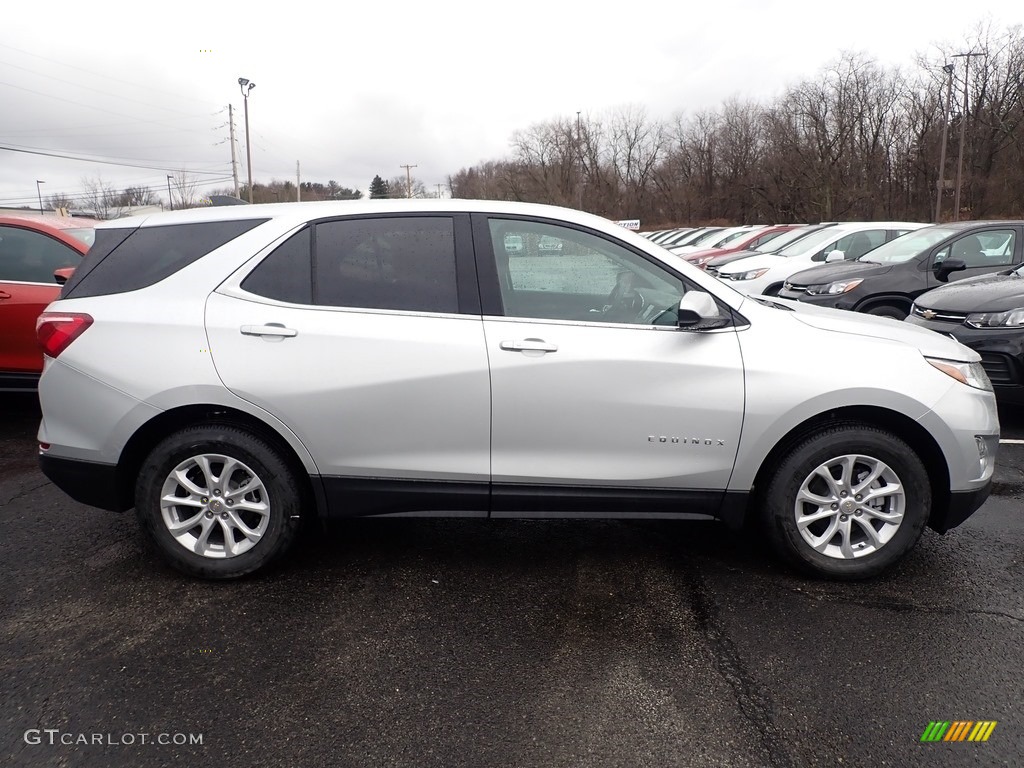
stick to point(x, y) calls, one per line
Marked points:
point(86, 482)
point(962, 504)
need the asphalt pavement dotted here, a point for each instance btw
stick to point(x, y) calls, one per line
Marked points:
point(499, 643)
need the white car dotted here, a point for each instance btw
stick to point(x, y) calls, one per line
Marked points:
point(766, 274)
point(231, 371)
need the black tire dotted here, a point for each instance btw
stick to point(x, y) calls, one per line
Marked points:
point(888, 310)
point(798, 466)
point(261, 468)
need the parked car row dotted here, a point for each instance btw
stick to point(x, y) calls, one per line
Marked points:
point(965, 280)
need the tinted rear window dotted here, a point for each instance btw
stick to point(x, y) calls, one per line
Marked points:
point(286, 274)
point(147, 255)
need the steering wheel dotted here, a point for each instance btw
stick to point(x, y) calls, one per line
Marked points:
point(625, 304)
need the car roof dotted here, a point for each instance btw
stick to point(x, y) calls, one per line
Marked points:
point(56, 222)
point(330, 208)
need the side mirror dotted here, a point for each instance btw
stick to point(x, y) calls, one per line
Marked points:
point(63, 274)
point(699, 312)
point(836, 255)
point(945, 268)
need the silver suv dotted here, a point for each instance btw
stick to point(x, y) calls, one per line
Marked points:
point(230, 371)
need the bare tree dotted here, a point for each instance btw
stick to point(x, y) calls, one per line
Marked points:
point(184, 186)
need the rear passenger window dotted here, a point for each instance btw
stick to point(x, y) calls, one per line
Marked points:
point(286, 274)
point(150, 254)
point(401, 263)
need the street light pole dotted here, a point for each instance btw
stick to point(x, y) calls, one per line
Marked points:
point(247, 86)
point(39, 194)
point(170, 197)
point(948, 69)
point(963, 127)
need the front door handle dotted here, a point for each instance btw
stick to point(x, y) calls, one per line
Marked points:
point(528, 345)
point(4, 295)
point(270, 329)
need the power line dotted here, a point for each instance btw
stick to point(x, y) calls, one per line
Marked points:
point(90, 88)
point(93, 106)
point(147, 88)
point(87, 159)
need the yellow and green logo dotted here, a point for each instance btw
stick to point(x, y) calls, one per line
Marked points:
point(958, 730)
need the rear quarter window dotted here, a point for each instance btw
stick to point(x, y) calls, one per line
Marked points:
point(130, 259)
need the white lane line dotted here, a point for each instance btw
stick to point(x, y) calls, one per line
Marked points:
point(1012, 442)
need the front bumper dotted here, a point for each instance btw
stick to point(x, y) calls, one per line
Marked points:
point(962, 504)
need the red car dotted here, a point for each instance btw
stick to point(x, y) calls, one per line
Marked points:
point(755, 238)
point(31, 248)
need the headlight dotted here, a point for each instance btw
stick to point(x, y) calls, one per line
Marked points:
point(832, 288)
point(751, 275)
point(971, 374)
point(1013, 318)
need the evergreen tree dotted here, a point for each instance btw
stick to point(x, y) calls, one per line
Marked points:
point(379, 188)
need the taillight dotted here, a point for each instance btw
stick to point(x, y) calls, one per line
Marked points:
point(56, 330)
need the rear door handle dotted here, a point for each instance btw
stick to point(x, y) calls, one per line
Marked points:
point(270, 329)
point(4, 295)
point(528, 345)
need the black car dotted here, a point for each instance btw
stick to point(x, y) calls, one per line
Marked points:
point(887, 280)
point(985, 313)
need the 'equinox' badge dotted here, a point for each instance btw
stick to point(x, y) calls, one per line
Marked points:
point(685, 440)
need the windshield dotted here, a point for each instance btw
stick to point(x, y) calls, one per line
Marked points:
point(908, 246)
point(705, 237)
point(812, 242)
point(782, 240)
point(730, 237)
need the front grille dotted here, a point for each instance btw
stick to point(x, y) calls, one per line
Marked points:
point(1001, 369)
point(712, 271)
point(932, 314)
point(795, 288)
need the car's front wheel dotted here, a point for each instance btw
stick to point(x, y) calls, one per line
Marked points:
point(847, 502)
point(217, 501)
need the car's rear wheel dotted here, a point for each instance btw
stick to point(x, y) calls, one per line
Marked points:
point(217, 501)
point(847, 502)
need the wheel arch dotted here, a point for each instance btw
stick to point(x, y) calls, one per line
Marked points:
point(915, 435)
point(167, 422)
point(900, 300)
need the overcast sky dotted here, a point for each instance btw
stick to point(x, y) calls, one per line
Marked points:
point(356, 89)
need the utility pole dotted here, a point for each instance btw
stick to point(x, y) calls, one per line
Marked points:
point(40, 195)
point(298, 183)
point(963, 127)
point(948, 69)
point(408, 178)
point(170, 197)
point(438, 191)
point(234, 162)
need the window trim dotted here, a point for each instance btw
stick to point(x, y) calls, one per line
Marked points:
point(490, 282)
point(467, 290)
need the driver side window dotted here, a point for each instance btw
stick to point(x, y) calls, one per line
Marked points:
point(556, 273)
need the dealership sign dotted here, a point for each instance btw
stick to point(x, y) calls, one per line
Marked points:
point(633, 224)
